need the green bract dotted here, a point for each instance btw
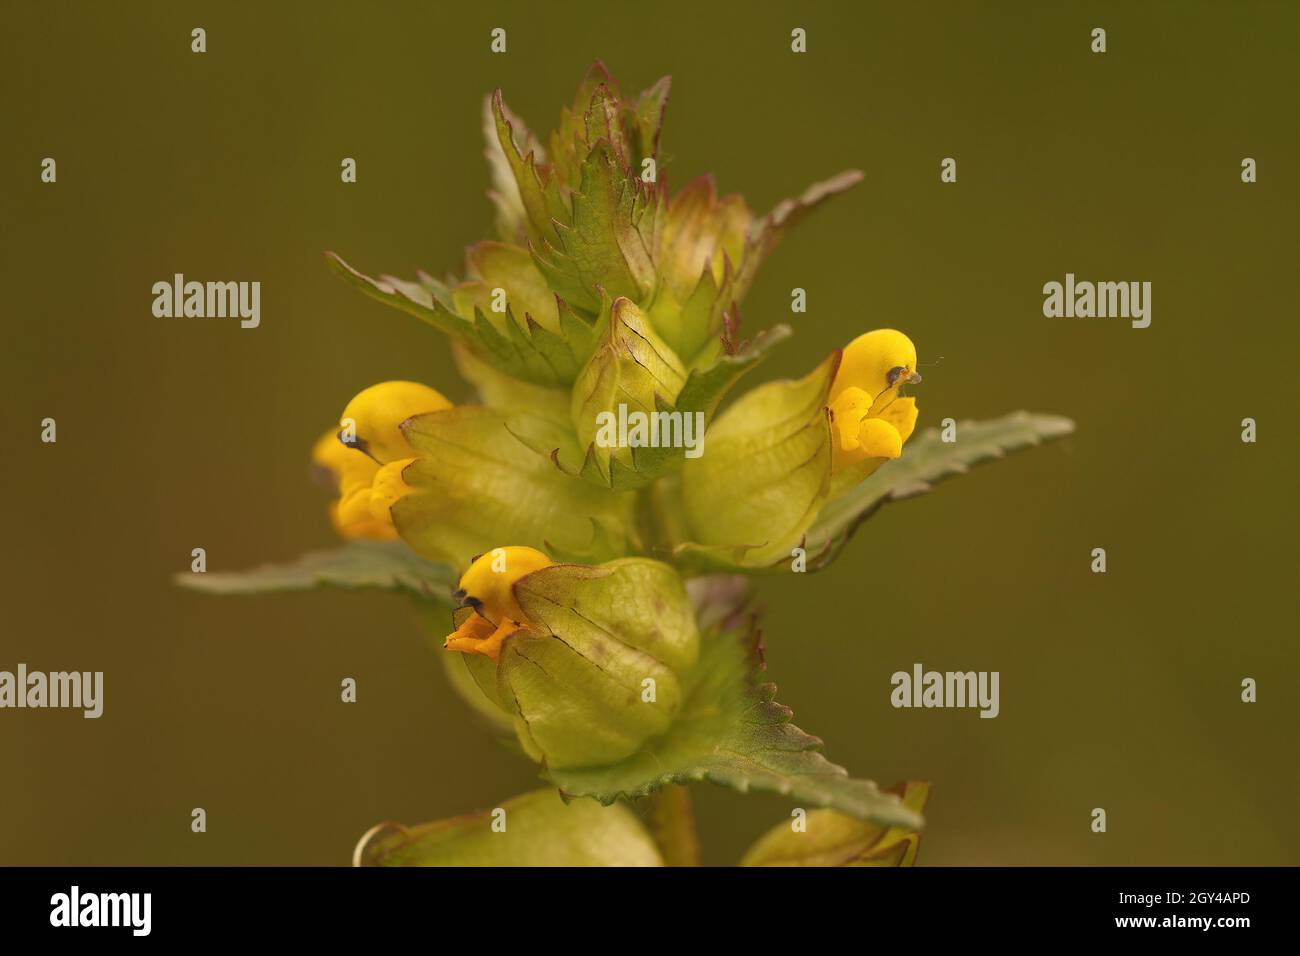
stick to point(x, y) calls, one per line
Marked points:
point(601, 285)
point(477, 484)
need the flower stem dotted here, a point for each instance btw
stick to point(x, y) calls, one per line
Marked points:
point(671, 821)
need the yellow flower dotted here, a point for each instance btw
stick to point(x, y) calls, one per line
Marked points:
point(488, 588)
point(350, 475)
point(365, 456)
point(870, 419)
point(377, 414)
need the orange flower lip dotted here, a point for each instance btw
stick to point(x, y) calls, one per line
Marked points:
point(478, 635)
point(487, 587)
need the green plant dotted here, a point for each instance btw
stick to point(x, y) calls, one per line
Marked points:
point(587, 535)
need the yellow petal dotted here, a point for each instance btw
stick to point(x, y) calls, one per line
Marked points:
point(360, 525)
point(379, 411)
point(388, 486)
point(876, 439)
point(871, 362)
point(901, 413)
point(351, 474)
point(879, 439)
point(348, 467)
point(489, 581)
point(473, 637)
point(848, 410)
point(472, 632)
point(354, 506)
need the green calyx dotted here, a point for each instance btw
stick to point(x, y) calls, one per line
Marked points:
point(598, 670)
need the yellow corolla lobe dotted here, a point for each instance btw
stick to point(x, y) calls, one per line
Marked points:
point(350, 475)
point(869, 418)
point(378, 413)
point(488, 587)
point(387, 487)
point(366, 469)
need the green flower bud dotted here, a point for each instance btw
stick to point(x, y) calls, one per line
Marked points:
point(590, 218)
point(618, 399)
point(585, 218)
point(830, 838)
point(637, 412)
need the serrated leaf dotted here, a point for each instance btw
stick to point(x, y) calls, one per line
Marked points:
point(540, 830)
point(602, 122)
point(510, 267)
point(730, 731)
point(926, 461)
point(511, 217)
point(387, 565)
point(765, 234)
point(569, 144)
point(643, 120)
point(602, 245)
point(540, 202)
point(533, 353)
point(699, 239)
point(412, 298)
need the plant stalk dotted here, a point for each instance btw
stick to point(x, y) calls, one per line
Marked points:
point(671, 821)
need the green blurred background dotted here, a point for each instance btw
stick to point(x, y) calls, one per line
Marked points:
point(1118, 690)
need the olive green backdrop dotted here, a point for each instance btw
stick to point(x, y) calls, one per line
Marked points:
point(1118, 691)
